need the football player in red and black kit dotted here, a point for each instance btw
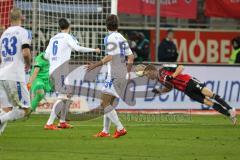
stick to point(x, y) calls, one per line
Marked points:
point(172, 74)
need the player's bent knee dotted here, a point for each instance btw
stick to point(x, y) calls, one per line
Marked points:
point(207, 92)
point(67, 102)
point(107, 100)
point(104, 104)
point(39, 94)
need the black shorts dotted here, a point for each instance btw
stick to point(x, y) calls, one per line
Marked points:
point(194, 90)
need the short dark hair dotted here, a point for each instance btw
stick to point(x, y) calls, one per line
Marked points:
point(112, 22)
point(63, 23)
point(237, 40)
point(170, 31)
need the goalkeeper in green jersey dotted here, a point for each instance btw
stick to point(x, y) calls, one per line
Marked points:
point(39, 82)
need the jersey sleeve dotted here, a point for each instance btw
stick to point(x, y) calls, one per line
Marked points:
point(170, 67)
point(127, 49)
point(74, 44)
point(37, 63)
point(26, 37)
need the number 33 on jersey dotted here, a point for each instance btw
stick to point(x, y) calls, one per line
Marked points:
point(12, 65)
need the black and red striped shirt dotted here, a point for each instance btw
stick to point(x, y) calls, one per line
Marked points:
point(179, 82)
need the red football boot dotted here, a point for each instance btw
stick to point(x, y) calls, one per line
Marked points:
point(51, 127)
point(102, 134)
point(120, 133)
point(64, 125)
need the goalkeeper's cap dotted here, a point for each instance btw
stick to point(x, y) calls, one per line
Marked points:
point(63, 23)
point(112, 22)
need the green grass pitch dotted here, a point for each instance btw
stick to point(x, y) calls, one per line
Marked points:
point(198, 138)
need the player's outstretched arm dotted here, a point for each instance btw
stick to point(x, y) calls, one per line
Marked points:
point(99, 63)
point(85, 49)
point(178, 71)
point(75, 46)
point(33, 77)
point(129, 64)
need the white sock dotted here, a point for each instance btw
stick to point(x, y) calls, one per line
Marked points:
point(64, 111)
point(12, 115)
point(63, 114)
point(106, 124)
point(56, 108)
point(112, 115)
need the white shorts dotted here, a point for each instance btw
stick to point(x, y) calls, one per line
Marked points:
point(14, 94)
point(115, 87)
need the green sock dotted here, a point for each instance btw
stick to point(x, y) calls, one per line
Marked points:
point(35, 101)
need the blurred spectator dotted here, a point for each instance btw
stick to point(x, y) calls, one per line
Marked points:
point(143, 48)
point(132, 40)
point(167, 50)
point(235, 56)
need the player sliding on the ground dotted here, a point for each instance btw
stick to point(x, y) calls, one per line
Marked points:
point(14, 57)
point(58, 52)
point(190, 86)
point(116, 51)
point(39, 82)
